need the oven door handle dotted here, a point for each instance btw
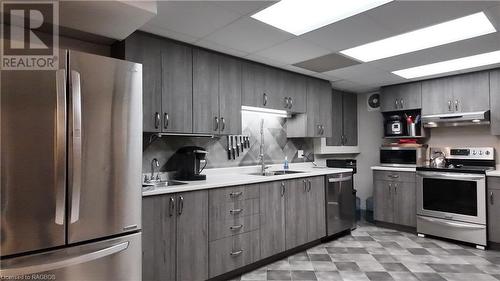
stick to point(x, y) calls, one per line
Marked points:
point(458, 176)
point(454, 224)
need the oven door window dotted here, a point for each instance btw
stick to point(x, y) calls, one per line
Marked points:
point(450, 196)
point(398, 157)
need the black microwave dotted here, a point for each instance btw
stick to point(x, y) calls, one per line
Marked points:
point(400, 156)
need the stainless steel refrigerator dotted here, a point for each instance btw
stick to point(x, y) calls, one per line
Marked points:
point(71, 154)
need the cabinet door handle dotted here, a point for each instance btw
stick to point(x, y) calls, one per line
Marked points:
point(492, 201)
point(396, 188)
point(345, 140)
point(216, 123)
point(287, 102)
point(157, 120)
point(235, 194)
point(390, 188)
point(449, 105)
point(264, 97)
point(165, 120)
point(223, 123)
point(236, 227)
point(456, 105)
point(396, 103)
point(282, 189)
point(401, 103)
point(291, 102)
point(235, 211)
point(310, 185)
point(305, 185)
point(181, 205)
point(236, 253)
point(171, 206)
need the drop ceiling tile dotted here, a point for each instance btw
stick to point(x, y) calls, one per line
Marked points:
point(293, 50)
point(347, 33)
point(405, 16)
point(244, 7)
point(327, 62)
point(217, 47)
point(249, 35)
point(366, 75)
point(168, 33)
point(297, 69)
point(349, 86)
point(194, 18)
point(264, 60)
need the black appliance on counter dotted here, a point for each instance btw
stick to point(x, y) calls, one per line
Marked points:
point(394, 126)
point(340, 197)
point(192, 161)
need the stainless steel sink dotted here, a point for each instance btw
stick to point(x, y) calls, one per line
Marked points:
point(276, 173)
point(160, 184)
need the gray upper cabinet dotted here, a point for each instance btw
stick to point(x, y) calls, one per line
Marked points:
point(471, 92)
point(495, 101)
point(437, 96)
point(230, 88)
point(401, 97)
point(177, 90)
point(272, 218)
point(295, 92)
point(143, 48)
point(325, 106)
point(461, 93)
point(344, 120)
point(205, 92)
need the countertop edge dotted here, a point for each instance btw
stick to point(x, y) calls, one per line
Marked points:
point(395, 169)
point(495, 173)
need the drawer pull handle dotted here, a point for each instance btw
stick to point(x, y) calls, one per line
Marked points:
point(236, 227)
point(237, 253)
point(235, 211)
point(235, 194)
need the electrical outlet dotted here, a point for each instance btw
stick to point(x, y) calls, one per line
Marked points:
point(300, 154)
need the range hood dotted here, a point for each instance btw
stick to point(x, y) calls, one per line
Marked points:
point(456, 119)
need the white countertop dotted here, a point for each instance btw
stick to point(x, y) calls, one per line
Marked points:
point(224, 177)
point(395, 169)
point(494, 173)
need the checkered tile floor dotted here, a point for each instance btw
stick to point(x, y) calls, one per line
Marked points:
point(379, 254)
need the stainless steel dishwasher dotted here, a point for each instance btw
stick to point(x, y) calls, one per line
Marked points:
point(340, 203)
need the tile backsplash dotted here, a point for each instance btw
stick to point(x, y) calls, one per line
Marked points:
point(276, 144)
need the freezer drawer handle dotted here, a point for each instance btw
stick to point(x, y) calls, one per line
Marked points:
point(76, 146)
point(44, 265)
point(340, 179)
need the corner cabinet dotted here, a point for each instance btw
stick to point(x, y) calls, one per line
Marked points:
point(175, 236)
point(401, 97)
point(317, 121)
point(495, 102)
point(394, 196)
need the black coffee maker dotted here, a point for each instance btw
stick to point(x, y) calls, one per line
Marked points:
point(192, 161)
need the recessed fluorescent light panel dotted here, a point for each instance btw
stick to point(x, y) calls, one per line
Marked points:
point(276, 112)
point(450, 65)
point(447, 32)
point(301, 16)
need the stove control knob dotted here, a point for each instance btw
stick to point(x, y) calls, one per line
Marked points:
point(480, 152)
point(487, 152)
point(473, 152)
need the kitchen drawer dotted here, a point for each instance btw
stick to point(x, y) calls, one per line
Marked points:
point(234, 193)
point(493, 182)
point(225, 228)
point(395, 176)
point(233, 252)
point(232, 210)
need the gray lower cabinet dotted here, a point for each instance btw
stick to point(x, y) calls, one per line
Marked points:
point(272, 218)
point(175, 236)
point(394, 195)
point(493, 209)
point(495, 102)
point(316, 215)
point(344, 119)
point(401, 97)
point(296, 220)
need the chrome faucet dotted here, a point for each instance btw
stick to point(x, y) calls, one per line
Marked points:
point(263, 166)
point(155, 164)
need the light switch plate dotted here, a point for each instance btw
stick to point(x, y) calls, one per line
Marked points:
point(300, 154)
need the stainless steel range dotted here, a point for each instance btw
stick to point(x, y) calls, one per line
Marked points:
point(451, 195)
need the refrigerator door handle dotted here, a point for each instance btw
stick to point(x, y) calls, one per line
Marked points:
point(60, 147)
point(76, 146)
point(42, 263)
